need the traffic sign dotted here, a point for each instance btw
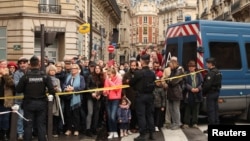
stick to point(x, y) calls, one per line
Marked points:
point(111, 48)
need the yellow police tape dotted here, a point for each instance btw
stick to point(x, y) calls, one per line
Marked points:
point(78, 92)
point(180, 76)
point(106, 88)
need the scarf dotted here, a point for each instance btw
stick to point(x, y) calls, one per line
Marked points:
point(75, 101)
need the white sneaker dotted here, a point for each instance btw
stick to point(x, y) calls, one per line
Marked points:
point(111, 135)
point(157, 129)
point(115, 134)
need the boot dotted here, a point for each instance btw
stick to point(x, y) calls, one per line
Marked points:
point(89, 133)
point(1, 135)
point(141, 137)
point(151, 137)
point(5, 135)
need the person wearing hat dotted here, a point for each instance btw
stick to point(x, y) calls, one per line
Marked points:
point(143, 82)
point(159, 102)
point(211, 89)
point(22, 69)
point(193, 96)
point(67, 64)
point(34, 85)
point(174, 94)
point(6, 90)
point(12, 67)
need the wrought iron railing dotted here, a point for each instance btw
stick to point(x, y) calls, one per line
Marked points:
point(48, 8)
point(235, 6)
point(116, 7)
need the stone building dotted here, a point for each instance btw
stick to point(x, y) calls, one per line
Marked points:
point(144, 26)
point(124, 46)
point(20, 23)
point(224, 10)
point(174, 11)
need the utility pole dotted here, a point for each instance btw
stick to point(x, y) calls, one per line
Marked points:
point(42, 47)
point(91, 30)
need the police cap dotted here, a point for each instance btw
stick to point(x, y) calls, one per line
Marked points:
point(211, 60)
point(145, 57)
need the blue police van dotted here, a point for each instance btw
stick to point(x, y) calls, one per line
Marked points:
point(229, 44)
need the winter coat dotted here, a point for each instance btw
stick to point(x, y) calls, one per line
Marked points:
point(7, 90)
point(191, 97)
point(129, 92)
point(159, 97)
point(116, 93)
point(123, 114)
point(175, 85)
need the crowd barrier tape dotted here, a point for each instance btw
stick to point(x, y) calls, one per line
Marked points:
point(78, 92)
point(15, 110)
point(180, 76)
point(106, 88)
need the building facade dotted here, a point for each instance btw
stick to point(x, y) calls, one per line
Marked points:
point(144, 27)
point(20, 26)
point(174, 11)
point(224, 10)
point(123, 51)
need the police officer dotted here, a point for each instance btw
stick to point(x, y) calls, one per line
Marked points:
point(33, 85)
point(143, 83)
point(211, 89)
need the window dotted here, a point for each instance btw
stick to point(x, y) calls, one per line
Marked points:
point(3, 43)
point(52, 2)
point(145, 19)
point(145, 40)
point(247, 45)
point(189, 53)
point(230, 51)
point(145, 30)
point(172, 49)
point(180, 13)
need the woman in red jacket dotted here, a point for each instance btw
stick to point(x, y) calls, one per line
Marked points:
point(113, 96)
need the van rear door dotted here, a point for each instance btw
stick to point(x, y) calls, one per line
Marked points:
point(225, 48)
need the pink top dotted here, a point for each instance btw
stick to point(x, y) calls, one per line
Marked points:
point(116, 93)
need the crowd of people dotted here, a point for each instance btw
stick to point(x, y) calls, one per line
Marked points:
point(151, 102)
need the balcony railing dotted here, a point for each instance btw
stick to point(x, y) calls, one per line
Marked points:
point(47, 8)
point(235, 6)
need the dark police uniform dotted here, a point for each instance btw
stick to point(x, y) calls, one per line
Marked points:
point(211, 89)
point(35, 103)
point(143, 83)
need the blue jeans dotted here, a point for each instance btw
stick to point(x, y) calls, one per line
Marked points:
point(4, 118)
point(20, 123)
point(112, 106)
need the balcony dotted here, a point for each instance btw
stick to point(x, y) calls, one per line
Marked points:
point(235, 7)
point(240, 6)
point(224, 17)
point(112, 7)
point(48, 8)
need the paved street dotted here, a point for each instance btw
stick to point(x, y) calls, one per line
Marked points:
point(190, 134)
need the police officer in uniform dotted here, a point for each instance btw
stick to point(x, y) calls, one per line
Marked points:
point(143, 82)
point(35, 103)
point(211, 89)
